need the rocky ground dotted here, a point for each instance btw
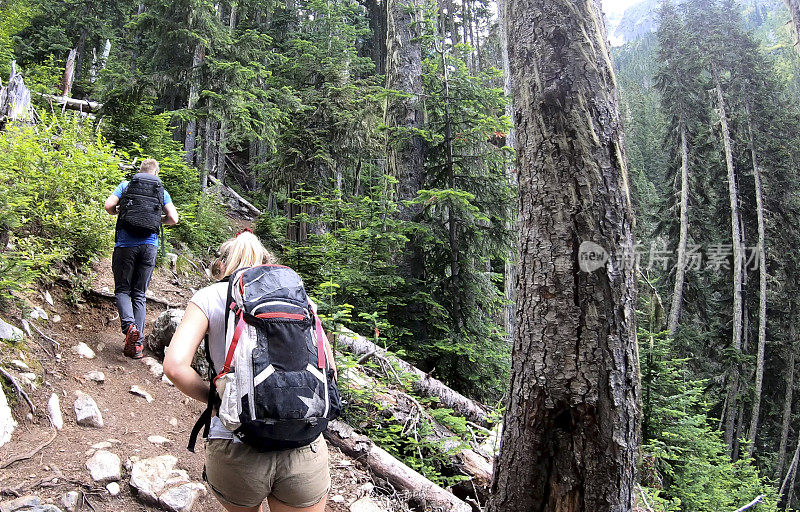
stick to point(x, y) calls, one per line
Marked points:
point(124, 428)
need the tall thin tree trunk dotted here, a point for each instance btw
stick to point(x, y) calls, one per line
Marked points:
point(762, 290)
point(736, 239)
point(570, 437)
point(222, 148)
point(69, 74)
point(509, 276)
point(790, 474)
point(787, 397)
point(680, 267)
point(190, 141)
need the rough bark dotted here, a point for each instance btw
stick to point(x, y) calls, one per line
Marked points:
point(738, 259)
point(571, 433)
point(404, 112)
point(787, 399)
point(680, 266)
point(762, 292)
point(385, 466)
point(376, 12)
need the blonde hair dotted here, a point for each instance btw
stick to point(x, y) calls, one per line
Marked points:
point(242, 251)
point(149, 166)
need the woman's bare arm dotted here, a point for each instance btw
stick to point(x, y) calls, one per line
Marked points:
point(178, 356)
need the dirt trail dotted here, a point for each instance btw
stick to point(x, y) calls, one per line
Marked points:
point(128, 418)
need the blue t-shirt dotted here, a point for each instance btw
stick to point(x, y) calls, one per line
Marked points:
point(125, 239)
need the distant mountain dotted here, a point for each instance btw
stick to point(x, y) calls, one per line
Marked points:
point(638, 20)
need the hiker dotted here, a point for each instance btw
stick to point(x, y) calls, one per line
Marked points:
point(143, 205)
point(244, 465)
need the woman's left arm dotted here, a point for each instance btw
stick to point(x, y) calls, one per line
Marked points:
point(178, 356)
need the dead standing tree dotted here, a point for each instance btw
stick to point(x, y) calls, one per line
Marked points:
point(571, 426)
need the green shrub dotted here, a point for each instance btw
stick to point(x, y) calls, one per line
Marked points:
point(54, 178)
point(686, 462)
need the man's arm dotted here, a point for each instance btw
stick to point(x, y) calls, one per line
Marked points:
point(171, 214)
point(111, 204)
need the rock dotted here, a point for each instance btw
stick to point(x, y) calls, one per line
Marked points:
point(182, 497)
point(28, 376)
point(173, 422)
point(79, 327)
point(19, 365)
point(149, 476)
point(82, 350)
point(87, 412)
point(39, 313)
point(338, 498)
point(56, 319)
point(136, 390)
point(367, 488)
point(102, 445)
point(54, 412)
point(70, 500)
point(95, 376)
point(365, 504)
point(113, 488)
point(105, 289)
point(172, 258)
point(155, 367)
point(48, 297)
point(130, 461)
point(7, 422)
point(10, 333)
point(163, 329)
point(22, 502)
point(160, 440)
point(26, 326)
point(166, 380)
point(104, 467)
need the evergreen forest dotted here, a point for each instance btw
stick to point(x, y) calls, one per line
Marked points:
point(379, 149)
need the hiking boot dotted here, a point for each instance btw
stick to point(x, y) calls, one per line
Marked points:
point(133, 343)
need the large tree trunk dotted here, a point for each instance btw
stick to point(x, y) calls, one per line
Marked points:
point(680, 267)
point(762, 293)
point(571, 431)
point(738, 259)
point(787, 398)
point(376, 12)
point(404, 114)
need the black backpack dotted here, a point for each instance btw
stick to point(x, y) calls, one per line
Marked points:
point(276, 389)
point(141, 205)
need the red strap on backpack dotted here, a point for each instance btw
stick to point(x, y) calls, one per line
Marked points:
point(320, 342)
point(237, 333)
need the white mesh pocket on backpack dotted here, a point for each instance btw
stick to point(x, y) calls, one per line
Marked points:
point(231, 403)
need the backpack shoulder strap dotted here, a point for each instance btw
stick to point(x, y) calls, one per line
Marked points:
point(204, 421)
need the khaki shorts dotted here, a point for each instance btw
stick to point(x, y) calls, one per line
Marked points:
point(242, 476)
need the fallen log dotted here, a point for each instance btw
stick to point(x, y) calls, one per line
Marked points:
point(73, 104)
point(405, 410)
point(426, 385)
point(385, 466)
point(232, 193)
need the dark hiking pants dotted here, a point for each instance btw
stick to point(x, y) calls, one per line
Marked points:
point(132, 267)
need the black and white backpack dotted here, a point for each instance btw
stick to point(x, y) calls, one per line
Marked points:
point(141, 204)
point(276, 389)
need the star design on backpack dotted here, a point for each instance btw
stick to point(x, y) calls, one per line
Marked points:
point(315, 404)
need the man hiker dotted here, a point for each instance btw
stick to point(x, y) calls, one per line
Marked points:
point(142, 205)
